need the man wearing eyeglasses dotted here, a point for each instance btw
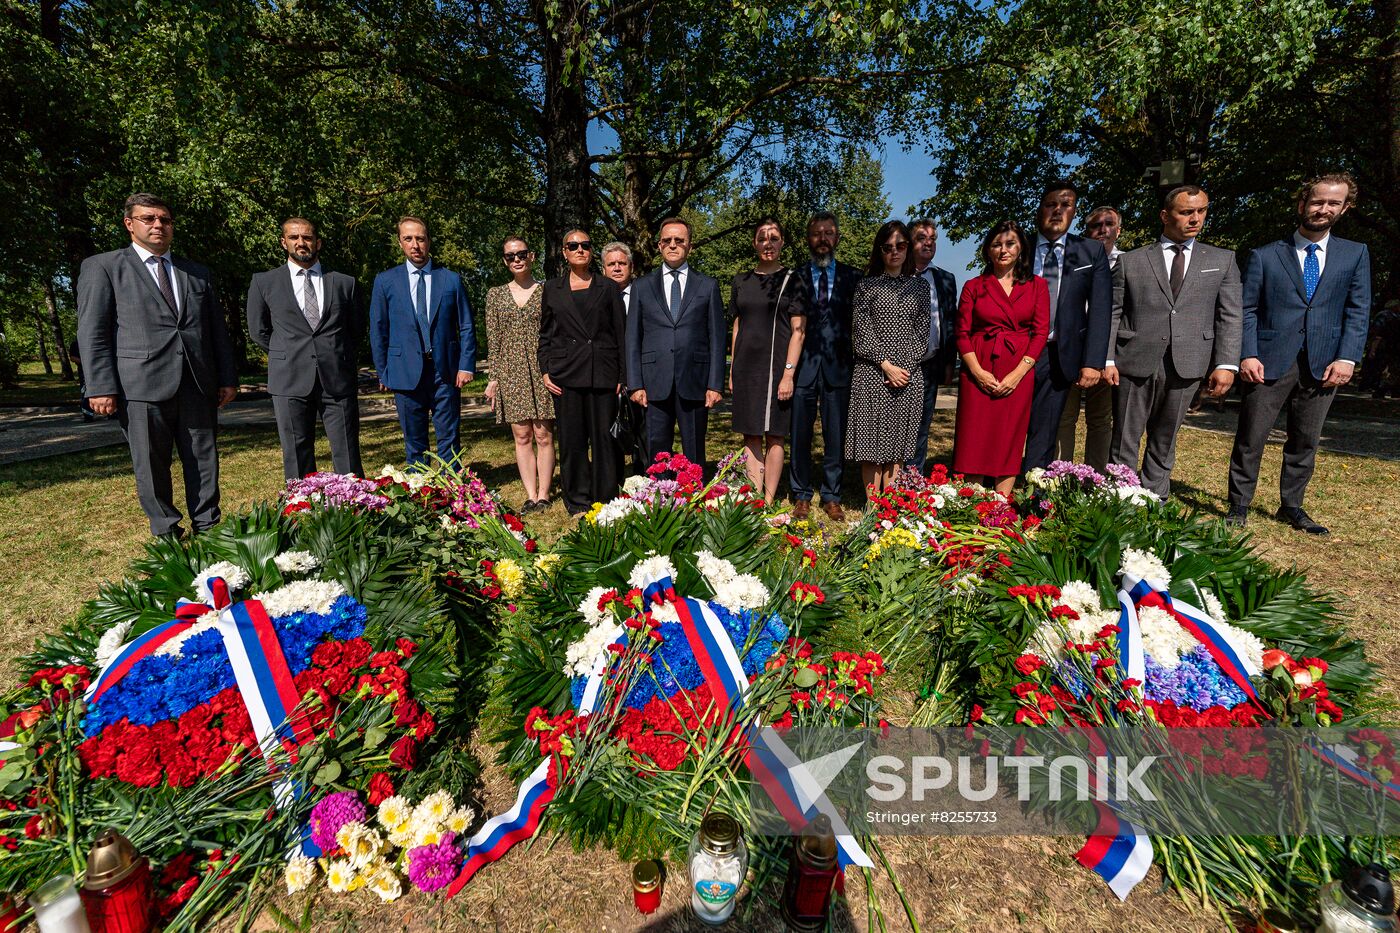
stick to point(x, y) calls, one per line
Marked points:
point(156, 353)
point(675, 346)
point(308, 321)
point(423, 344)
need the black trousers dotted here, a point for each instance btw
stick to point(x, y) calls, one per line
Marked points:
point(296, 428)
point(590, 461)
point(1047, 405)
point(1307, 403)
point(834, 403)
point(189, 423)
point(664, 417)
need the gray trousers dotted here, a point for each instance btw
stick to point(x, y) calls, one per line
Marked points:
point(189, 423)
point(1307, 403)
point(1098, 417)
point(1155, 405)
point(296, 427)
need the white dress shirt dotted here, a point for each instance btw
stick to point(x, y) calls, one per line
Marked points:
point(627, 298)
point(935, 329)
point(427, 285)
point(1113, 257)
point(667, 278)
point(1301, 244)
point(1169, 255)
point(146, 256)
point(299, 277)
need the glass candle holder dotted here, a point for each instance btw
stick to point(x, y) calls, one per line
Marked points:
point(57, 907)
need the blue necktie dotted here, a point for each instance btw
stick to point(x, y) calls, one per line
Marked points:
point(420, 308)
point(675, 293)
point(1311, 271)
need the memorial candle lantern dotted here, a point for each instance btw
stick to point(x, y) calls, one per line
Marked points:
point(57, 907)
point(117, 891)
point(812, 869)
point(646, 886)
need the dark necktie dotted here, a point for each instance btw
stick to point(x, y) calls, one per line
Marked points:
point(1050, 272)
point(1178, 268)
point(163, 282)
point(420, 308)
point(823, 293)
point(1312, 270)
point(310, 306)
point(675, 293)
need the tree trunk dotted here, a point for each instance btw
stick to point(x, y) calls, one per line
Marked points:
point(60, 342)
point(568, 200)
point(1388, 92)
point(636, 225)
point(43, 344)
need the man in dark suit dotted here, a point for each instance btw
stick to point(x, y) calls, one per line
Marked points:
point(1081, 303)
point(1176, 317)
point(1307, 303)
point(942, 346)
point(156, 353)
point(308, 322)
point(1104, 223)
point(424, 347)
point(617, 265)
point(823, 381)
point(675, 346)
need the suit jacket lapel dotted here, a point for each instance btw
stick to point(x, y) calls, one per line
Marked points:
point(143, 273)
point(439, 286)
point(1289, 259)
point(289, 292)
point(1159, 269)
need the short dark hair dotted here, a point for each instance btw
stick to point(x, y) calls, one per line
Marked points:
point(768, 220)
point(923, 222)
point(143, 199)
point(883, 236)
point(1021, 272)
point(410, 219)
point(821, 217)
point(298, 220)
point(675, 220)
point(1330, 178)
point(1060, 184)
point(1189, 190)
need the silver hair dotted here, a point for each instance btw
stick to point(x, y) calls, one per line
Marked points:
point(617, 246)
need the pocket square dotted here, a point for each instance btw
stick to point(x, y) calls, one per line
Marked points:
point(1082, 268)
point(1216, 269)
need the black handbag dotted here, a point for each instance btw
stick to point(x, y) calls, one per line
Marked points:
point(622, 429)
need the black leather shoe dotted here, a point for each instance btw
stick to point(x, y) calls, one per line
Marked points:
point(1237, 516)
point(1300, 520)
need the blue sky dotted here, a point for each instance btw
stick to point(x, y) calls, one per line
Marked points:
point(907, 183)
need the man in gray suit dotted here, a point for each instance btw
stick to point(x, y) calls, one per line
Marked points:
point(308, 321)
point(1176, 316)
point(156, 353)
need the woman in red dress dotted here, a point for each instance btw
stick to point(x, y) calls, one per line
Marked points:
point(1003, 318)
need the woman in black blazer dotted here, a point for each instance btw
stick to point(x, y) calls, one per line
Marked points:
point(581, 342)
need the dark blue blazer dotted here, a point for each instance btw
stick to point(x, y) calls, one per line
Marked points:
point(1084, 311)
point(826, 348)
point(1279, 320)
point(685, 356)
point(946, 287)
point(393, 330)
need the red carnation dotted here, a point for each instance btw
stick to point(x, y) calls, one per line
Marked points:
point(381, 788)
point(1028, 664)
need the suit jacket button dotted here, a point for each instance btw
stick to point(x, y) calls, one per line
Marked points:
point(179, 351)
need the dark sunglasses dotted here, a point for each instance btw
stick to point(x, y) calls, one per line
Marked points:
point(673, 241)
point(578, 245)
point(888, 248)
point(514, 257)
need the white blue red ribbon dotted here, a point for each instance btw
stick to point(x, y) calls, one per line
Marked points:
point(1117, 851)
point(501, 833)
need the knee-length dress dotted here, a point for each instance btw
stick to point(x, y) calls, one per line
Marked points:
point(990, 437)
point(764, 305)
point(889, 321)
point(513, 342)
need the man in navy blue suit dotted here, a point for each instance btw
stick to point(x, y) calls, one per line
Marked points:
point(1081, 315)
point(420, 333)
point(1307, 304)
point(942, 344)
point(675, 347)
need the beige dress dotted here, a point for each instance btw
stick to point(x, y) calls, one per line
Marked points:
point(512, 342)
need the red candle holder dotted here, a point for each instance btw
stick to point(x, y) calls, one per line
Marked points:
point(646, 886)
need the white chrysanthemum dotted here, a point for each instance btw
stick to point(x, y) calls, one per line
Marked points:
point(301, 596)
point(650, 569)
point(401, 835)
point(384, 881)
point(635, 484)
point(111, 642)
point(1137, 495)
point(616, 510)
point(296, 562)
point(340, 876)
point(665, 612)
point(458, 820)
point(394, 812)
point(1249, 648)
point(172, 647)
point(1048, 641)
point(745, 591)
point(588, 608)
point(1212, 607)
point(235, 576)
point(1080, 596)
point(427, 834)
point(299, 873)
point(578, 659)
point(362, 845)
point(716, 570)
point(1164, 638)
point(1145, 566)
point(434, 808)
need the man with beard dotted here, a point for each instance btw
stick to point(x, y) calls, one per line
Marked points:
point(308, 322)
point(1307, 302)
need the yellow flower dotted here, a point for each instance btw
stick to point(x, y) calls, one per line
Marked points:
point(394, 812)
point(460, 819)
point(592, 515)
point(891, 538)
point(361, 844)
point(511, 578)
point(546, 563)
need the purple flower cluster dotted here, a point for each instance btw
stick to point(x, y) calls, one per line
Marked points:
point(1198, 682)
point(1124, 476)
point(336, 489)
point(331, 813)
point(470, 500)
point(1081, 473)
point(433, 867)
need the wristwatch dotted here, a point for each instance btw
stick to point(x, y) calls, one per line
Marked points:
point(789, 366)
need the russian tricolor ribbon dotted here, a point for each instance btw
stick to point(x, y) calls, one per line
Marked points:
point(1117, 851)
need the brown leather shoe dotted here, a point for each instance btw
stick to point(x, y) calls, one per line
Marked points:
point(834, 511)
point(801, 509)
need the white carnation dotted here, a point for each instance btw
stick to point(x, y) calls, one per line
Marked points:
point(744, 591)
point(716, 570)
point(665, 612)
point(111, 642)
point(1145, 566)
point(235, 576)
point(1080, 596)
point(635, 484)
point(301, 596)
point(651, 568)
point(414, 481)
point(1164, 638)
point(617, 509)
point(589, 607)
point(296, 562)
point(1137, 495)
point(578, 659)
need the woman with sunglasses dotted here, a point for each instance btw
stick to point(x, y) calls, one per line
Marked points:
point(581, 339)
point(889, 335)
point(516, 391)
point(1003, 321)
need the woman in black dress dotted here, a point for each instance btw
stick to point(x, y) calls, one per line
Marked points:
point(769, 307)
point(581, 341)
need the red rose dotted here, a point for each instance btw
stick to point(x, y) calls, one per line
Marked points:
point(406, 712)
point(1274, 657)
point(404, 753)
point(381, 788)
